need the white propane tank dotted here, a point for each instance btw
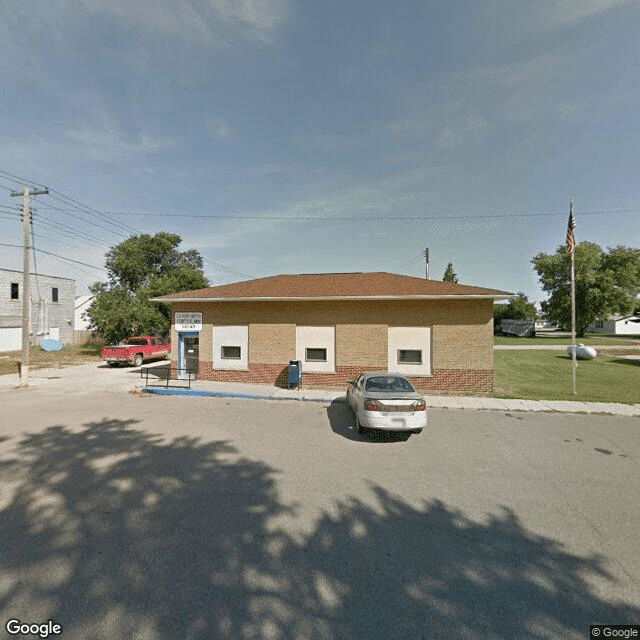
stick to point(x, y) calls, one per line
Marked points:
point(582, 352)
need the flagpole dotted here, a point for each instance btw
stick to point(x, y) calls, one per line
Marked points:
point(574, 361)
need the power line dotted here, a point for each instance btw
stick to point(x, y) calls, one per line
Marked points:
point(69, 201)
point(365, 218)
point(20, 180)
point(60, 197)
point(224, 268)
point(6, 186)
point(58, 227)
point(50, 206)
point(55, 255)
point(40, 236)
point(77, 206)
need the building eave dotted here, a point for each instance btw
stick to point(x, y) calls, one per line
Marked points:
point(196, 299)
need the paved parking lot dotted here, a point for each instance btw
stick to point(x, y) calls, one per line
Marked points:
point(152, 518)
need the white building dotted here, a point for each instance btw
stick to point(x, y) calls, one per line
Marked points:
point(629, 325)
point(82, 332)
point(51, 310)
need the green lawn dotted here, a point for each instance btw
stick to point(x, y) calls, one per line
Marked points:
point(546, 375)
point(589, 339)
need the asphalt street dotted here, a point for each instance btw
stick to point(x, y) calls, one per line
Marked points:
point(161, 517)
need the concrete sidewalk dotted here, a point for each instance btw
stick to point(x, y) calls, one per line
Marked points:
point(80, 380)
point(269, 392)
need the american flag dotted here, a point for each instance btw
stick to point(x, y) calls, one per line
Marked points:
point(571, 239)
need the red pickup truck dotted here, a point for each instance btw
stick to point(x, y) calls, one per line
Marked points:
point(136, 350)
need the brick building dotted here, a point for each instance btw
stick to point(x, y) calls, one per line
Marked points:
point(338, 325)
point(51, 310)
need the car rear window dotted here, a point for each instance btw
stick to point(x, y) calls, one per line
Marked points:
point(388, 384)
point(136, 342)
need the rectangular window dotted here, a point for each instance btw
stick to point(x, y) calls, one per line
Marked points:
point(15, 290)
point(599, 324)
point(315, 354)
point(316, 348)
point(54, 294)
point(409, 356)
point(231, 353)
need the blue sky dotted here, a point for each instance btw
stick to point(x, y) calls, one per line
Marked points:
point(461, 126)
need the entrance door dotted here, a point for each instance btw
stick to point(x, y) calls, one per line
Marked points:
point(189, 355)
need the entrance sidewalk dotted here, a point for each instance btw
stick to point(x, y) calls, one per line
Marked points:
point(269, 392)
point(90, 379)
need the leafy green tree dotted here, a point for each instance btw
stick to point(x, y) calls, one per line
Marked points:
point(518, 308)
point(450, 275)
point(500, 312)
point(606, 283)
point(141, 268)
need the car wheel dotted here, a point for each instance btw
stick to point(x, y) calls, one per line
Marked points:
point(418, 431)
point(359, 428)
point(137, 360)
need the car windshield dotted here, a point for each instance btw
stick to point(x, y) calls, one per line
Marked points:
point(388, 384)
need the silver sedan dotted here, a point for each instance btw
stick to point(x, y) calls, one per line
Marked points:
point(386, 401)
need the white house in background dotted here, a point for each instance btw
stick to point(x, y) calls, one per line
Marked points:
point(629, 325)
point(82, 305)
point(52, 308)
point(82, 333)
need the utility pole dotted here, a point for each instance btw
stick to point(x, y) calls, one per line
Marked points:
point(26, 276)
point(425, 253)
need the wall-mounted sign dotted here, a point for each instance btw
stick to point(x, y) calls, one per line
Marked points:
point(188, 321)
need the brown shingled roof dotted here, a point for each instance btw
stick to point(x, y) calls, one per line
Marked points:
point(337, 285)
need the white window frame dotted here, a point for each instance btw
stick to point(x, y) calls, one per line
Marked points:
point(231, 335)
point(309, 337)
point(410, 339)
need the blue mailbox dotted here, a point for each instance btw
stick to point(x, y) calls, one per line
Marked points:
point(294, 373)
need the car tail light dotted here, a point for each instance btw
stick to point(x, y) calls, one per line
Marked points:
point(372, 405)
point(421, 405)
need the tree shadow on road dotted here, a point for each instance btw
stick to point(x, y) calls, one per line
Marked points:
point(114, 532)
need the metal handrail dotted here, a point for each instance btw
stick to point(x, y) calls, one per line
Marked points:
point(144, 373)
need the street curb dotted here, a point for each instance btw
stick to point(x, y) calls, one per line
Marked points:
point(437, 402)
point(232, 394)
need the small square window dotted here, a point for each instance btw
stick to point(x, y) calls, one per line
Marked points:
point(54, 294)
point(409, 356)
point(315, 354)
point(15, 291)
point(231, 353)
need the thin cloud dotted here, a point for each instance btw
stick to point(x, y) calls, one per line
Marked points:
point(205, 20)
point(569, 12)
point(135, 25)
point(106, 139)
point(219, 129)
point(468, 129)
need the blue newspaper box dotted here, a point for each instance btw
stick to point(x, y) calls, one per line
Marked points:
point(294, 373)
